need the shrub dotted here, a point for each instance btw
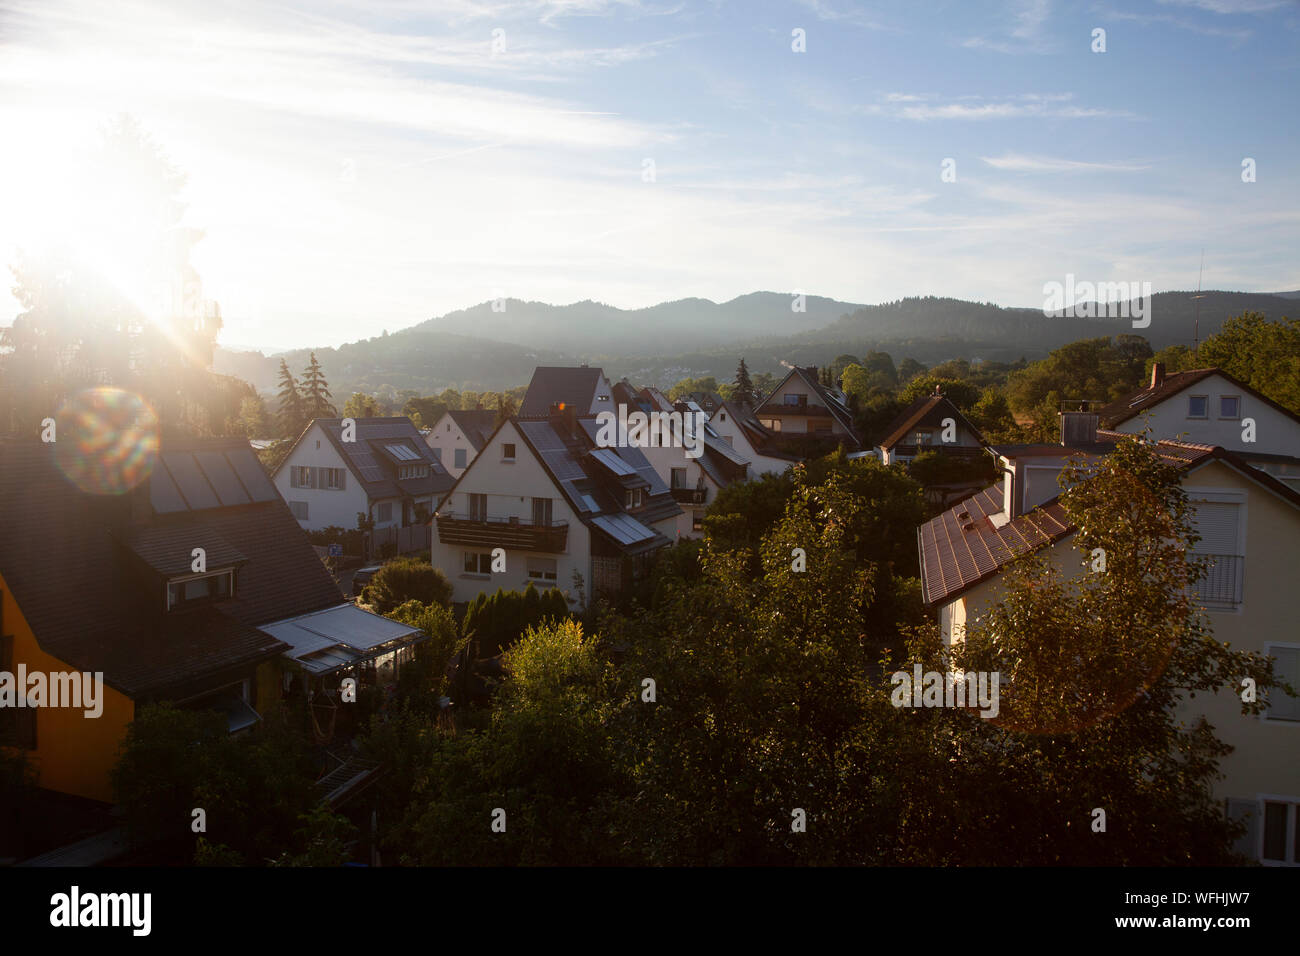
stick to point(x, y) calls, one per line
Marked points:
point(407, 579)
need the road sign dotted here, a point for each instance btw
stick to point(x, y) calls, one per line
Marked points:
point(336, 550)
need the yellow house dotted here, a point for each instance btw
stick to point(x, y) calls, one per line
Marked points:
point(1249, 524)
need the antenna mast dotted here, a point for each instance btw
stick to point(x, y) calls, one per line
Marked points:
point(1196, 339)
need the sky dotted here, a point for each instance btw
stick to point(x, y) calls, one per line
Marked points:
point(362, 165)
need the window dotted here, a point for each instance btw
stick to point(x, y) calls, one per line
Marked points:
point(1198, 406)
point(478, 507)
point(602, 398)
point(542, 512)
point(437, 454)
point(477, 562)
point(697, 521)
point(334, 478)
point(722, 417)
point(542, 569)
point(300, 476)
point(1286, 667)
point(460, 457)
point(924, 438)
point(1217, 519)
point(795, 399)
point(384, 512)
point(1230, 406)
point(679, 478)
point(508, 452)
point(299, 509)
point(1281, 842)
point(200, 588)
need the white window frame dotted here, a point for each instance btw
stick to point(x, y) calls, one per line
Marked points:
point(1288, 837)
point(1198, 418)
point(1230, 418)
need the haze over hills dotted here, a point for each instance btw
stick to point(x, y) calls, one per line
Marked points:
point(482, 349)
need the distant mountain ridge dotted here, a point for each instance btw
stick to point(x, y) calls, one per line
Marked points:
point(664, 343)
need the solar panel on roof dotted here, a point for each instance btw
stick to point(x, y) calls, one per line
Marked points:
point(589, 503)
point(622, 528)
point(611, 461)
point(163, 493)
point(221, 477)
point(402, 453)
point(189, 478)
point(255, 480)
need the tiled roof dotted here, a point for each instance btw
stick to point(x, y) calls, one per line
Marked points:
point(63, 554)
point(374, 466)
point(1134, 404)
point(835, 406)
point(574, 386)
point(963, 546)
point(972, 540)
point(477, 424)
point(927, 411)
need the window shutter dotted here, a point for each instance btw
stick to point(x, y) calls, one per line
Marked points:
point(1281, 705)
point(1248, 811)
point(1216, 523)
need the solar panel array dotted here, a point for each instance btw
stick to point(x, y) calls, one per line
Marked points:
point(616, 465)
point(402, 452)
point(200, 479)
point(623, 528)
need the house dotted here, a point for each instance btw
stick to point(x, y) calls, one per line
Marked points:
point(736, 424)
point(553, 502)
point(1248, 520)
point(802, 412)
point(1211, 407)
point(178, 590)
point(931, 423)
point(379, 467)
point(459, 435)
point(579, 387)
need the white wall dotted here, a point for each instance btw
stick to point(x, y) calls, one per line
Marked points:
point(726, 426)
point(510, 488)
point(447, 436)
point(324, 508)
point(1275, 433)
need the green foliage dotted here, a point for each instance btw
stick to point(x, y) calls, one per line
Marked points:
point(362, 406)
point(315, 392)
point(1263, 354)
point(688, 386)
point(293, 413)
point(1101, 369)
point(939, 468)
point(962, 394)
point(496, 622)
point(407, 579)
point(323, 838)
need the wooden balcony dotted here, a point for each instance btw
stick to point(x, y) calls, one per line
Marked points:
point(516, 534)
point(690, 496)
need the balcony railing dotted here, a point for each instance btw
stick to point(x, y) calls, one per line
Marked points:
point(1221, 585)
point(480, 531)
point(947, 448)
point(690, 496)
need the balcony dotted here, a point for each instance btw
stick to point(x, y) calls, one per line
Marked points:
point(1221, 585)
point(518, 534)
point(690, 496)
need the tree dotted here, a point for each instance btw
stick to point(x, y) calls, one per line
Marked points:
point(362, 406)
point(253, 421)
point(743, 391)
point(505, 408)
point(691, 386)
point(407, 579)
point(316, 393)
point(962, 394)
point(142, 323)
point(293, 415)
point(764, 383)
point(908, 369)
point(1263, 354)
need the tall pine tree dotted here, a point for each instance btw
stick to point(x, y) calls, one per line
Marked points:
point(292, 416)
point(315, 392)
point(744, 392)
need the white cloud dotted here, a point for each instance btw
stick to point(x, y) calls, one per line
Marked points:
point(1015, 162)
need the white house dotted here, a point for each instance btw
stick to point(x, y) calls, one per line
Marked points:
point(735, 424)
point(584, 389)
point(803, 408)
point(382, 468)
point(459, 435)
point(931, 423)
point(1210, 407)
point(543, 492)
point(1249, 524)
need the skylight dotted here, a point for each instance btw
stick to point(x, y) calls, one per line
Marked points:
point(402, 453)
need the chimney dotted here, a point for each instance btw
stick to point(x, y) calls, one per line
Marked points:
point(565, 418)
point(937, 391)
point(1079, 427)
point(1157, 374)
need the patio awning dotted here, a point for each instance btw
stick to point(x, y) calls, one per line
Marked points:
point(341, 636)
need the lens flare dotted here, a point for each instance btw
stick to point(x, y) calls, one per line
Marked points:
point(106, 440)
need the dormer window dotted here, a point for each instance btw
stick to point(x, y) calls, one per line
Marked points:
point(196, 589)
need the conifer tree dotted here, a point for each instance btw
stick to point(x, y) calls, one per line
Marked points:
point(744, 392)
point(315, 392)
point(292, 417)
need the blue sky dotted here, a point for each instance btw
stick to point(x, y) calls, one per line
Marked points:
point(366, 164)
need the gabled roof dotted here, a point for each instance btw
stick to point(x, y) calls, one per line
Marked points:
point(88, 571)
point(551, 384)
point(758, 434)
point(929, 410)
point(973, 541)
point(834, 403)
point(1135, 403)
point(574, 465)
point(382, 446)
point(476, 424)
